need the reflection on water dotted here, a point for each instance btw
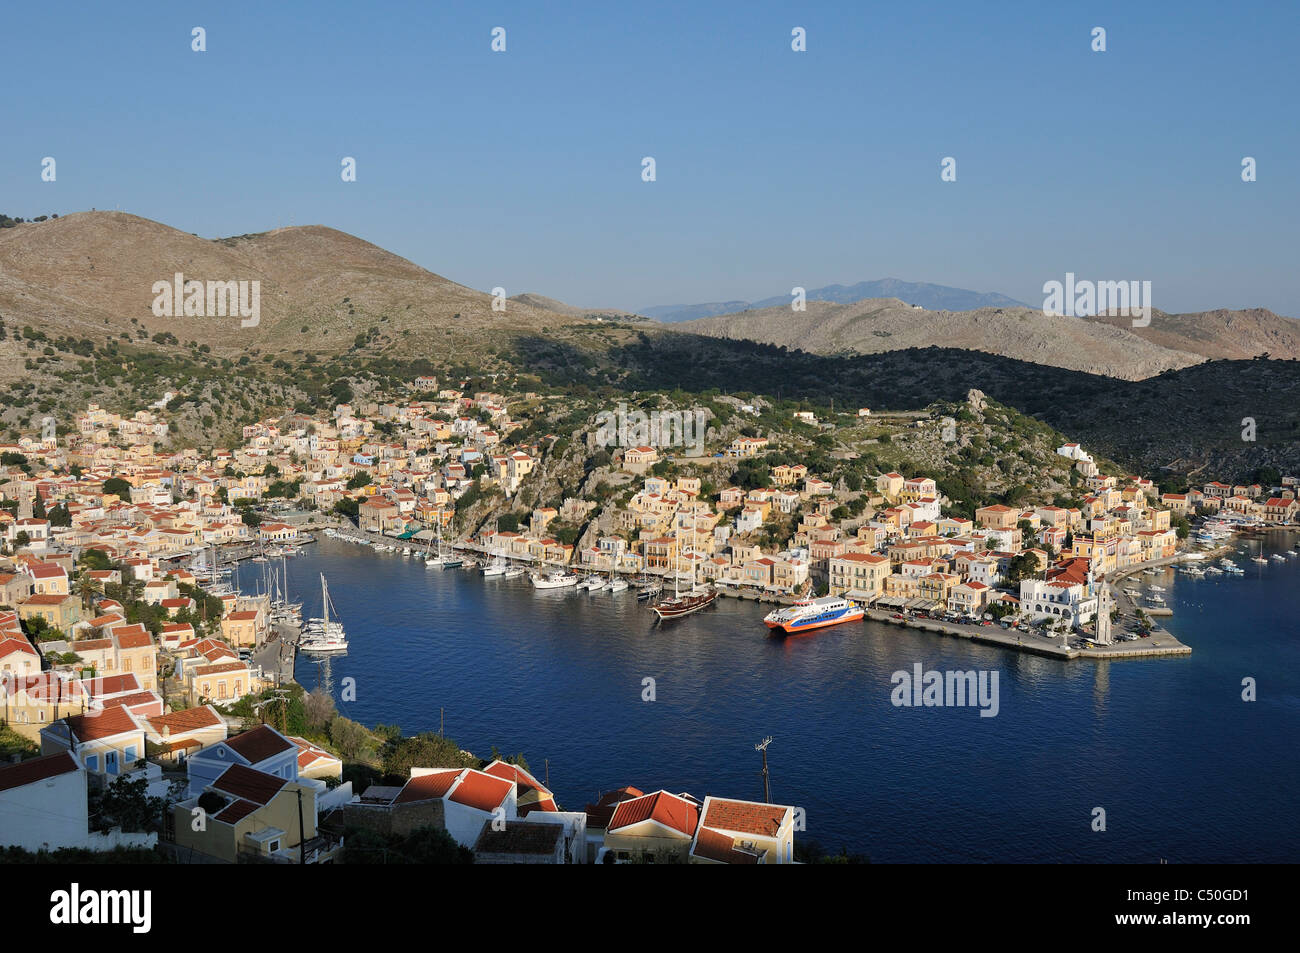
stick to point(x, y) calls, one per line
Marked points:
point(1185, 769)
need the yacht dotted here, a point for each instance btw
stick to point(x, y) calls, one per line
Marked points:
point(554, 580)
point(514, 571)
point(617, 585)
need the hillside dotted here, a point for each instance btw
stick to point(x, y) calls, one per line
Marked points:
point(90, 274)
point(1221, 334)
point(887, 324)
point(340, 316)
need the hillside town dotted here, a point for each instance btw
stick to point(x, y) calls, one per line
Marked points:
point(125, 655)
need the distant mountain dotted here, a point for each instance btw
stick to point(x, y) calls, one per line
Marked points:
point(929, 296)
point(671, 313)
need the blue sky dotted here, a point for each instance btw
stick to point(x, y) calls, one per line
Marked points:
point(774, 168)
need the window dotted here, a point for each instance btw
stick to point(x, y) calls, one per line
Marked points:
point(273, 846)
point(110, 762)
point(130, 754)
point(92, 762)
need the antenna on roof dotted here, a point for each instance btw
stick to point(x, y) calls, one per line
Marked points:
point(767, 792)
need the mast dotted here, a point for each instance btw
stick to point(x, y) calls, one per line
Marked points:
point(324, 604)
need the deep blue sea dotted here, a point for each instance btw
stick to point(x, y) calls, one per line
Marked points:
point(1184, 769)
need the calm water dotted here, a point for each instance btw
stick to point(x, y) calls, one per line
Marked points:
point(1184, 768)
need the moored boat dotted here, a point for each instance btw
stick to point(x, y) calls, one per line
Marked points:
point(808, 614)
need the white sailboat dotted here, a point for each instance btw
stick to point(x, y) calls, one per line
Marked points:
point(496, 566)
point(323, 636)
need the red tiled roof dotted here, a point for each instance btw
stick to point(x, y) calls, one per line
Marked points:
point(249, 784)
point(714, 845)
point(428, 787)
point(744, 817)
point(36, 769)
point(191, 719)
point(259, 744)
point(114, 720)
point(481, 791)
point(667, 809)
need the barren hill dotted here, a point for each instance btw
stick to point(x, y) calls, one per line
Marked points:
point(91, 274)
point(1233, 335)
point(887, 324)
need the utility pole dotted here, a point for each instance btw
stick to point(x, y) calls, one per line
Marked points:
point(767, 791)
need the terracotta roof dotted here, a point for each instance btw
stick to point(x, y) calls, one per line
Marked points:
point(114, 720)
point(481, 791)
point(249, 784)
point(36, 769)
point(744, 817)
point(191, 719)
point(668, 809)
point(259, 744)
point(428, 787)
point(715, 845)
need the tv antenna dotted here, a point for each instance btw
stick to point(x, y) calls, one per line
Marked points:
point(767, 792)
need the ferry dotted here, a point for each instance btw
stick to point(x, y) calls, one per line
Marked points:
point(808, 614)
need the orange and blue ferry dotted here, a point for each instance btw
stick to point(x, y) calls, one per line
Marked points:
point(808, 614)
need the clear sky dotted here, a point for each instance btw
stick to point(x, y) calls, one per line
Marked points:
point(774, 168)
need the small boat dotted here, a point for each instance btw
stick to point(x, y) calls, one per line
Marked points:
point(1279, 557)
point(514, 571)
point(1157, 588)
point(1259, 559)
point(596, 584)
point(644, 595)
point(618, 585)
point(498, 567)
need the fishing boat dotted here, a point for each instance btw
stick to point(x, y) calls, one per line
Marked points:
point(554, 580)
point(808, 614)
point(323, 636)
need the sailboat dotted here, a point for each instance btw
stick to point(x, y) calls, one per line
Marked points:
point(442, 559)
point(497, 566)
point(615, 583)
point(321, 636)
point(698, 598)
